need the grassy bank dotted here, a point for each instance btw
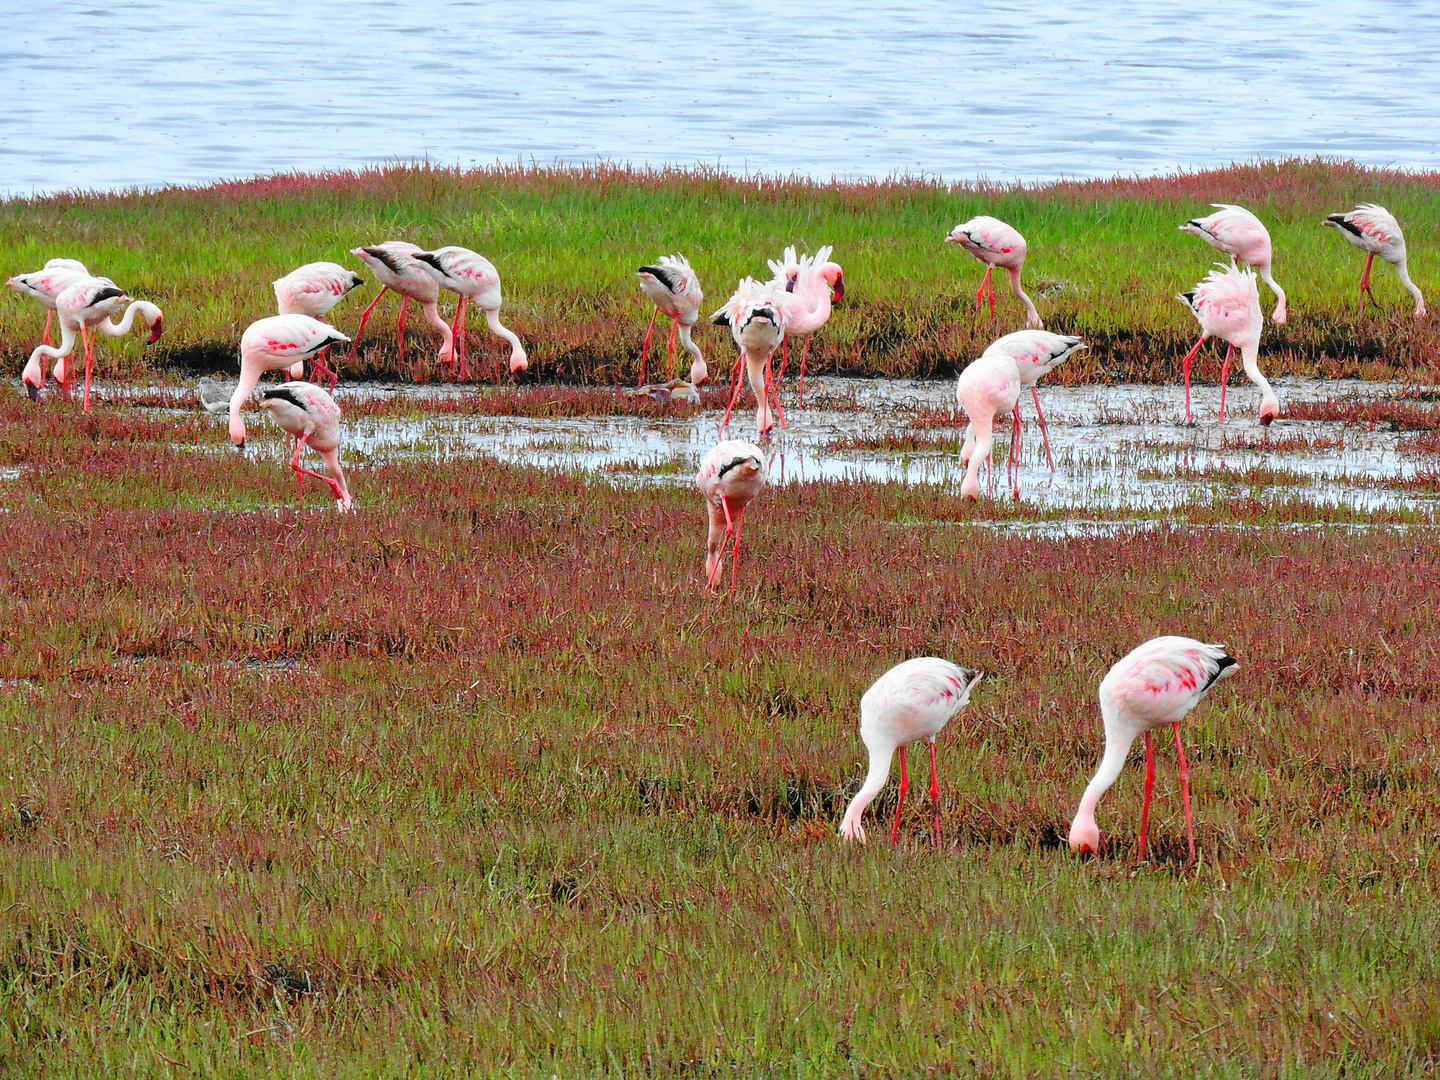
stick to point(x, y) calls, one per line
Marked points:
point(477, 782)
point(1105, 261)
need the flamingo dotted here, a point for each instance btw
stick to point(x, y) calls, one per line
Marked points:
point(275, 344)
point(816, 283)
point(988, 387)
point(311, 416)
point(1374, 230)
point(910, 702)
point(1035, 352)
point(469, 275)
point(1227, 305)
point(1241, 235)
point(1158, 683)
point(313, 289)
point(396, 269)
point(47, 283)
point(996, 244)
point(89, 304)
point(757, 315)
point(674, 288)
point(731, 475)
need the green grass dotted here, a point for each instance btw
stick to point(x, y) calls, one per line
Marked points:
point(477, 781)
point(1106, 260)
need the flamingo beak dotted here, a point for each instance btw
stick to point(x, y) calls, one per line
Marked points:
point(790, 285)
point(839, 293)
point(156, 329)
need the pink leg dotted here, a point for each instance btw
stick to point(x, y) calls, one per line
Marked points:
point(459, 334)
point(1185, 792)
point(804, 352)
point(670, 350)
point(320, 370)
point(1365, 282)
point(645, 349)
point(990, 280)
point(735, 393)
point(364, 318)
point(771, 388)
point(49, 314)
point(1149, 790)
point(735, 552)
point(295, 464)
point(400, 328)
point(1188, 358)
point(1012, 465)
point(89, 365)
point(980, 292)
point(935, 790)
point(1225, 378)
point(900, 802)
point(300, 471)
point(784, 356)
point(1043, 433)
point(720, 561)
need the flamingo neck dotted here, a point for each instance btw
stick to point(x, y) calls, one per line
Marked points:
point(689, 343)
point(1032, 316)
point(518, 359)
point(110, 328)
point(1413, 289)
point(1117, 748)
point(249, 378)
point(880, 756)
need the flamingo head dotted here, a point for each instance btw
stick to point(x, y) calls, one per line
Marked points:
point(699, 373)
point(835, 278)
point(1085, 835)
point(955, 236)
point(1269, 410)
point(518, 360)
point(237, 431)
point(157, 327)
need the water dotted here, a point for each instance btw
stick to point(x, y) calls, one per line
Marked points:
point(150, 93)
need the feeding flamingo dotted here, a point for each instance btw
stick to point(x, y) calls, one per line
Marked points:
point(88, 304)
point(1241, 235)
point(1035, 352)
point(1227, 305)
point(47, 283)
point(396, 269)
point(987, 388)
point(731, 475)
point(311, 416)
point(472, 276)
point(275, 344)
point(313, 289)
point(1157, 684)
point(996, 244)
point(815, 283)
point(674, 288)
point(910, 702)
point(757, 315)
point(1374, 230)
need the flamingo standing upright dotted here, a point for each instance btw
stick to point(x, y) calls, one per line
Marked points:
point(816, 283)
point(674, 288)
point(1227, 305)
point(47, 283)
point(996, 244)
point(396, 269)
point(88, 304)
point(310, 415)
point(472, 276)
point(987, 388)
point(1035, 352)
point(313, 289)
point(275, 344)
point(1241, 235)
point(731, 475)
point(910, 702)
point(1156, 684)
point(757, 315)
point(1374, 230)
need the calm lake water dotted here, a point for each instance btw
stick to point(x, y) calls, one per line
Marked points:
point(161, 92)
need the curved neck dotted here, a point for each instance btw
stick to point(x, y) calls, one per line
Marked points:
point(1249, 359)
point(249, 378)
point(874, 780)
point(690, 345)
point(1014, 274)
point(110, 328)
point(492, 316)
point(1117, 748)
point(1414, 289)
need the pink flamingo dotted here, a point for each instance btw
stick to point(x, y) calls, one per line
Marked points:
point(1227, 305)
point(47, 283)
point(1157, 684)
point(988, 387)
point(1035, 352)
point(88, 304)
point(1241, 235)
point(310, 415)
point(757, 315)
point(313, 289)
point(816, 283)
point(1374, 230)
point(910, 702)
point(731, 475)
point(996, 244)
point(674, 288)
point(472, 276)
point(275, 344)
point(397, 270)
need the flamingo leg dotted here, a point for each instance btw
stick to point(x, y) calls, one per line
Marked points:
point(301, 471)
point(720, 560)
point(1043, 433)
point(900, 802)
point(935, 790)
point(319, 368)
point(1188, 358)
point(400, 327)
point(364, 318)
point(735, 394)
point(645, 348)
point(1225, 378)
point(89, 366)
point(980, 292)
point(1149, 790)
point(784, 355)
point(1012, 466)
point(670, 350)
point(458, 332)
point(990, 280)
point(1185, 792)
point(49, 314)
point(735, 552)
point(804, 352)
point(1365, 282)
point(771, 388)
point(295, 464)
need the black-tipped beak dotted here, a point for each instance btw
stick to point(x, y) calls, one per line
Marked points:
point(156, 329)
point(32, 390)
point(839, 293)
point(790, 285)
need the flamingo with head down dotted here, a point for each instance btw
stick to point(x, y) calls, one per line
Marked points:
point(47, 283)
point(89, 304)
point(313, 289)
point(1035, 352)
point(472, 277)
point(987, 388)
point(674, 288)
point(1227, 305)
point(731, 476)
point(1241, 235)
point(275, 344)
point(310, 415)
point(816, 283)
point(757, 315)
point(396, 268)
point(996, 244)
point(1374, 230)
